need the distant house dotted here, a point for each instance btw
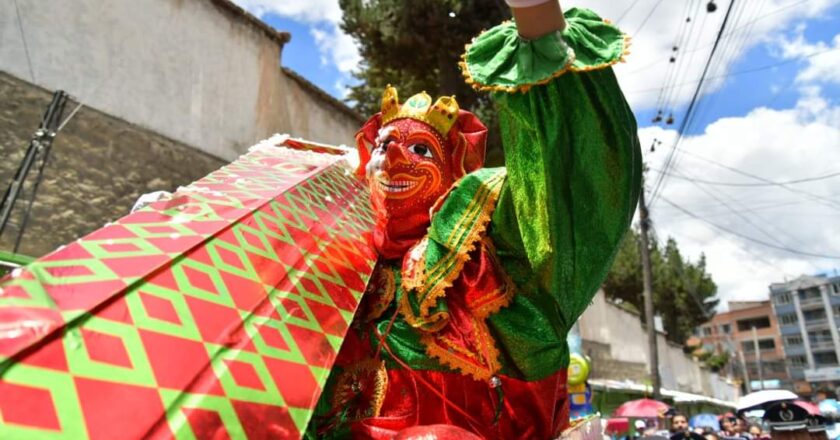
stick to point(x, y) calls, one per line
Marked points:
point(808, 312)
point(732, 332)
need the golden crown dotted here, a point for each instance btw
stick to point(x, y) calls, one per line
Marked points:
point(440, 115)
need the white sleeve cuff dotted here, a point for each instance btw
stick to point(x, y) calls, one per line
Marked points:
point(525, 3)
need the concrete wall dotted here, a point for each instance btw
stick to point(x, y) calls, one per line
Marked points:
point(201, 72)
point(617, 341)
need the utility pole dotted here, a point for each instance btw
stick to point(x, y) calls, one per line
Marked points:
point(758, 359)
point(744, 368)
point(36, 157)
point(647, 278)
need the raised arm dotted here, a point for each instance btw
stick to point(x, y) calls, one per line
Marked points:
point(537, 18)
point(571, 150)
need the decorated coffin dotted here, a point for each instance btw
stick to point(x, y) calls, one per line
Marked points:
point(214, 314)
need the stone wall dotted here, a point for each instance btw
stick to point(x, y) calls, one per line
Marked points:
point(604, 366)
point(617, 342)
point(98, 167)
point(202, 72)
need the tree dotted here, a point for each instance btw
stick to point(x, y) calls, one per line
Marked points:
point(416, 46)
point(684, 294)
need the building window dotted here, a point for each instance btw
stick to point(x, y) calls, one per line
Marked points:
point(725, 329)
point(810, 294)
point(773, 366)
point(788, 319)
point(819, 337)
point(835, 289)
point(782, 298)
point(836, 311)
point(763, 344)
point(797, 361)
point(707, 331)
point(827, 358)
point(814, 315)
point(793, 341)
point(747, 324)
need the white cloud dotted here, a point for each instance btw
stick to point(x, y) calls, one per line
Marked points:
point(342, 88)
point(779, 145)
point(647, 68)
point(336, 47)
point(310, 11)
point(823, 59)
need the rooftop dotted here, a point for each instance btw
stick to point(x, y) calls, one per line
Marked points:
point(228, 6)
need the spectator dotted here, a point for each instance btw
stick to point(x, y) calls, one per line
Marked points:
point(728, 426)
point(679, 423)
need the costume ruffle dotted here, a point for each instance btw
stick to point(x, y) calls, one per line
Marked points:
point(500, 60)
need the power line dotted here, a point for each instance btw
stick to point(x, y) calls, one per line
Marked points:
point(650, 14)
point(623, 14)
point(742, 72)
point(681, 132)
point(745, 184)
point(23, 39)
point(735, 47)
point(709, 44)
point(740, 214)
point(676, 58)
point(831, 202)
point(747, 237)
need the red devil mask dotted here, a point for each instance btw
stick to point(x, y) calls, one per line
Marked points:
point(411, 154)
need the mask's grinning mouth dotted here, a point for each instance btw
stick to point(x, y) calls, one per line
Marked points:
point(396, 186)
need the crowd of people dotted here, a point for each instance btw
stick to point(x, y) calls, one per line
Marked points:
point(729, 427)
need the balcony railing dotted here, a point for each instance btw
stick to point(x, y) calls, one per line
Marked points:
point(816, 322)
point(811, 302)
point(821, 345)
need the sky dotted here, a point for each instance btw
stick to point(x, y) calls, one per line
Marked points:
point(767, 117)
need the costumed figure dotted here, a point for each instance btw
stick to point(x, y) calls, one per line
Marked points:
point(482, 271)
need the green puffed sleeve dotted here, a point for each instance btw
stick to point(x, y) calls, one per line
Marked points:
point(571, 152)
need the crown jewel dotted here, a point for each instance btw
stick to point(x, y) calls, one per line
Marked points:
point(441, 115)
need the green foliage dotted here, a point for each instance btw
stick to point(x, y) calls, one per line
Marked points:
point(416, 46)
point(717, 361)
point(683, 292)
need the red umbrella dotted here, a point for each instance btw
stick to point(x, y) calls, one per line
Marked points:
point(641, 408)
point(812, 409)
point(617, 425)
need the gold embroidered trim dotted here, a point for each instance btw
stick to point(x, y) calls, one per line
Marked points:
point(504, 294)
point(523, 88)
point(382, 301)
point(418, 279)
point(486, 361)
point(485, 366)
point(431, 324)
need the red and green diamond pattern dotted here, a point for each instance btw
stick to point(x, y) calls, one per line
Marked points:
point(216, 314)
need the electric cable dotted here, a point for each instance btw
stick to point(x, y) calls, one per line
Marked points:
point(740, 214)
point(745, 71)
point(747, 237)
point(650, 14)
point(624, 14)
point(711, 43)
point(23, 39)
point(681, 131)
point(753, 184)
point(815, 197)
